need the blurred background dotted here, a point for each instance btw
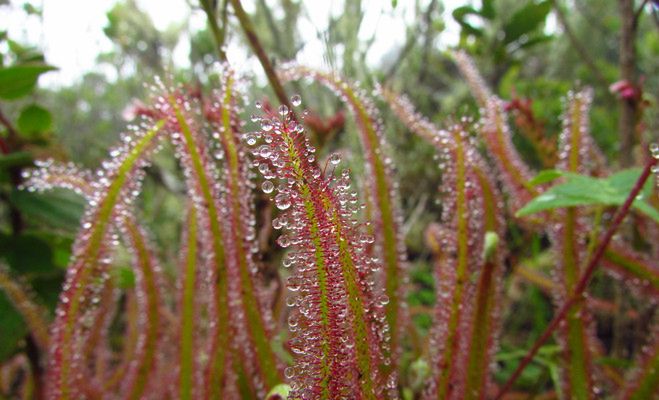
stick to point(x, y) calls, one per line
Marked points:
point(72, 73)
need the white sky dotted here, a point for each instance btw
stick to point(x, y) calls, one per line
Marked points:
point(71, 32)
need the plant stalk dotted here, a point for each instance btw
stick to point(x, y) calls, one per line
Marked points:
point(218, 32)
point(256, 46)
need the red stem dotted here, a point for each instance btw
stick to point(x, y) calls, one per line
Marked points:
point(585, 278)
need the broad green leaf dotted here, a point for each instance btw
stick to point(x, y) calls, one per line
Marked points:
point(59, 208)
point(19, 80)
point(580, 190)
point(545, 176)
point(19, 158)
point(12, 328)
point(525, 20)
point(25, 54)
point(47, 289)
point(460, 13)
point(487, 9)
point(21, 299)
point(532, 41)
point(34, 120)
point(27, 254)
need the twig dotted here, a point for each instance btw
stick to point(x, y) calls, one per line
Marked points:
point(627, 66)
point(411, 41)
point(274, 31)
point(579, 289)
point(578, 46)
point(639, 11)
point(218, 33)
point(255, 44)
point(12, 133)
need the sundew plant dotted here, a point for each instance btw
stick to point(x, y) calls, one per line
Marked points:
point(319, 307)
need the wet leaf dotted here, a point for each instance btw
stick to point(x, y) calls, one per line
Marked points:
point(59, 208)
point(34, 120)
point(16, 159)
point(12, 328)
point(525, 20)
point(27, 254)
point(19, 80)
point(581, 190)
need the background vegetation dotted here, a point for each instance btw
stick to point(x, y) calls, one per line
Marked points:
point(530, 52)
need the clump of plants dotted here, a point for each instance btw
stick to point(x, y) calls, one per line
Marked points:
point(333, 323)
point(347, 324)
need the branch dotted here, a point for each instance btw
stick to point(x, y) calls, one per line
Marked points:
point(579, 289)
point(12, 133)
point(272, 25)
point(218, 33)
point(411, 41)
point(627, 65)
point(13, 143)
point(578, 46)
point(255, 44)
point(639, 11)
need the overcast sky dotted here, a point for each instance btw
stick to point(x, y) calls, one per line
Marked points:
point(71, 32)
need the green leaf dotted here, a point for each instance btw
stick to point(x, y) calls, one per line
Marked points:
point(25, 54)
point(460, 13)
point(27, 254)
point(16, 159)
point(487, 9)
point(31, 9)
point(19, 80)
point(12, 328)
point(526, 20)
point(34, 120)
point(58, 208)
point(279, 392)
point(123, 277)
point(47, 288)
point(532, 41)
point(545, 176)
point(580, 190)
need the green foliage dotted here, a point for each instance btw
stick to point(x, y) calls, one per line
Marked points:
point(58, 209)
point(525, 59)
point(19, 80)
point(582, 190)
point(12, 329)
point(34, 120)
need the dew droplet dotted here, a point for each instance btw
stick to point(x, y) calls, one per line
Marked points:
point(283, 110)
point(282, 201)
point(283, 241)
point(334, 158)
point(292, 321)
point(267, 187)
point(289, 372)
point(296, 100)
point(383, 299)
point(293, 283)
point(266, 124)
